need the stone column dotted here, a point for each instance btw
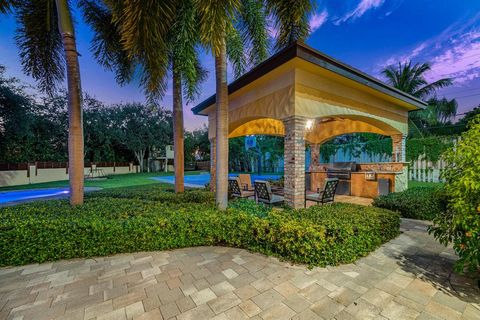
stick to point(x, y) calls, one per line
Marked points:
point(294, 161)
point(398, 148)
point(314, 157)
point(213, 163)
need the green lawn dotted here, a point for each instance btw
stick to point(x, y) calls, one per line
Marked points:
point(114, 181)
point(414, 184)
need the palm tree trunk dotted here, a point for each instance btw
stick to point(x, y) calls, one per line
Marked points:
point(75, 123)
point(178, 139)
point(222, 128)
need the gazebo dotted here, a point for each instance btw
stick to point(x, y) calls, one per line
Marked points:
point(309, 98)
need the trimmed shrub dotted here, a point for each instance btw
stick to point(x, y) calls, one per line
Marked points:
point(423, 203)
point(460, 223)
point(318, 236)
point(156, 193)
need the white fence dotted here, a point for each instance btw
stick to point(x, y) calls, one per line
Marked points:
point(426, 171)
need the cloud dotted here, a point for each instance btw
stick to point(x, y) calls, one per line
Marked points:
point(454, 53)
point(317, 20)
point(360, 10)
point(460, 61)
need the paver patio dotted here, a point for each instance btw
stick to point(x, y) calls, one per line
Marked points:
point(408, 278)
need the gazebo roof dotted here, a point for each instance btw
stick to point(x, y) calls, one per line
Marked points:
point(307, 53)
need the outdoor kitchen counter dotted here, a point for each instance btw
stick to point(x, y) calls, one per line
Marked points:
point(359, 185)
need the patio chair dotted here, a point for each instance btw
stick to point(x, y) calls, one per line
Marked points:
point(326, 195)
point(263, 193)
point(246, 181)
point(236, 191)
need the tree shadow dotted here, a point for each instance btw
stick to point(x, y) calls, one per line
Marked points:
point(433, 263)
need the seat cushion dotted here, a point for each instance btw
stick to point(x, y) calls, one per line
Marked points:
point(313, 197)
point(248, 193)
point(276, 199)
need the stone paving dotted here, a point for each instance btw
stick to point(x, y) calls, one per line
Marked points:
point(408, 278)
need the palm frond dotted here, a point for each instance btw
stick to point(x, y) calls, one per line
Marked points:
point(235, 51)
point(291, 19)
point(185, 37)
point(432, 87)
point(144, 26)
point(40, 43)
point(106, 46)
point(253, 29)
point(6, 6)
point(216, 18)
point(411, 79)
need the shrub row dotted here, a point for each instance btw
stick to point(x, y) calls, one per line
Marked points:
point(156, 193)
point(318, 236)
point(423, 203)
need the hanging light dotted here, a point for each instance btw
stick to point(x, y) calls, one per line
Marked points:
point(309, 125)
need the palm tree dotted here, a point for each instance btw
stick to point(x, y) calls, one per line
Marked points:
point(222, 24)
point(186, 70)
point(411, 79)
point(45, 27)
point(151, 37)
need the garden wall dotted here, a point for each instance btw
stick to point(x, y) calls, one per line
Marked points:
point(38, 172)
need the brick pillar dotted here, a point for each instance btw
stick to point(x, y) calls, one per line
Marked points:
point(314, 157)
point(213, 163)
point(398, 147)
point(294, 163)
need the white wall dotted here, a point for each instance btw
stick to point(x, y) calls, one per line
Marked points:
point(20, 177)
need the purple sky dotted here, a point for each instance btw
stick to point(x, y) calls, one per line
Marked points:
point(368, 34)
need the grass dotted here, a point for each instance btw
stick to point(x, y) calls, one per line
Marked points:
point(139, 179)
point(414, 184)
point(113, 181)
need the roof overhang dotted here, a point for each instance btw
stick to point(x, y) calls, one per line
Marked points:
point(307, 53)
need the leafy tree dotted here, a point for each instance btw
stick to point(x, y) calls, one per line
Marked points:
point(411, 79)
point(460, 223)
point(100, 131)
point(141, 128)
point(30, 131)
point(197, 145)
point(262, 158)
point(470, 115)
point(15, 120)
point(45, 28)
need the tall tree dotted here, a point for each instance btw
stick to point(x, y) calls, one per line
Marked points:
point(411, 79)
point(225, 25)
point(186, 71)
point(45, 28)
point(152, 36)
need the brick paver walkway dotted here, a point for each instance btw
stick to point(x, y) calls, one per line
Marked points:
point(408, 278)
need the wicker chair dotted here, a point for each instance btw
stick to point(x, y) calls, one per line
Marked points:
point(263, 193)
point(326, 195)
point(236, 191)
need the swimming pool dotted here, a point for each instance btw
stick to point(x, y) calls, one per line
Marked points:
point(17, 196)
point(200, 180)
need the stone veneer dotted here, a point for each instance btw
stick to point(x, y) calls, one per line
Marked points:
point(398, 147)
point(294, 164)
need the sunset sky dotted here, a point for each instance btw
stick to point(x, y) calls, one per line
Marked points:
point(367, 34)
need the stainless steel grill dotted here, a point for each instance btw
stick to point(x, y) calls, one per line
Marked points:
point(342, 171)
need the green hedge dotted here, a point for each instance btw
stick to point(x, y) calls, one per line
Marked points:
point(318, 236)
point(156, 193)
point(423, 203)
